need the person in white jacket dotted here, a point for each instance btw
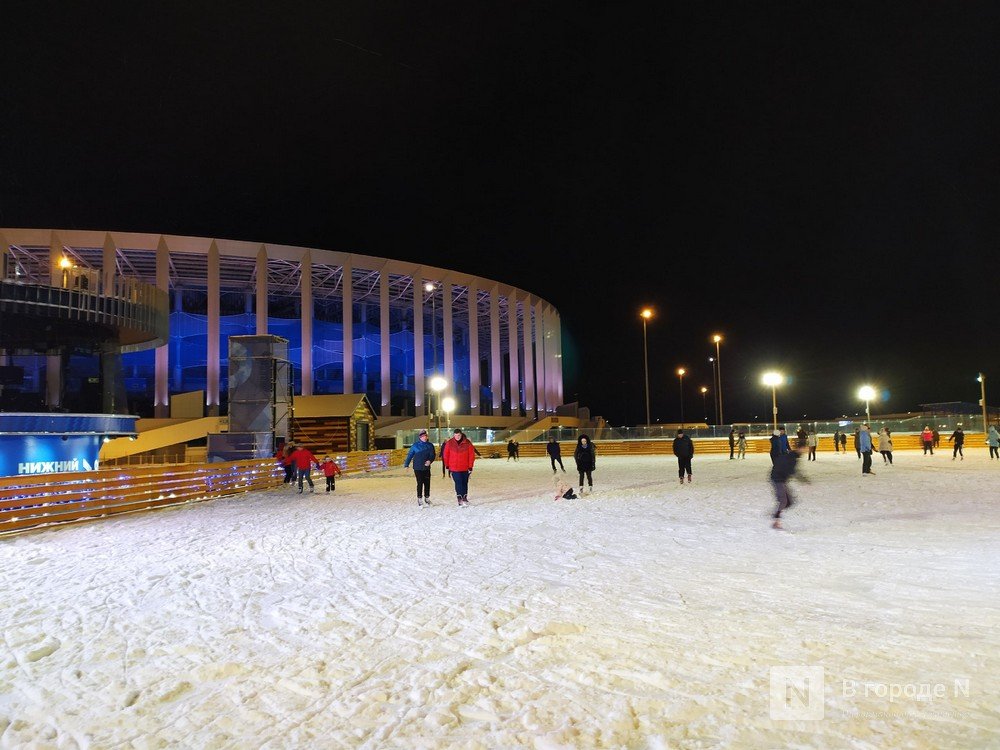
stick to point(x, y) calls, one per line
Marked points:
point(812, 440)
point(885, 445)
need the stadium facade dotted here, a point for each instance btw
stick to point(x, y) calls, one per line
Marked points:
point(355, 323)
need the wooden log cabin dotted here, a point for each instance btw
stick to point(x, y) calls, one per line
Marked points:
point(337, 423)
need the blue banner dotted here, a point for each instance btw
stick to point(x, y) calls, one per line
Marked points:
point(53, 443)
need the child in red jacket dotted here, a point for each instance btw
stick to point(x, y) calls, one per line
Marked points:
point(330, 471)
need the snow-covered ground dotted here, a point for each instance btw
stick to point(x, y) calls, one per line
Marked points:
point(644, 615)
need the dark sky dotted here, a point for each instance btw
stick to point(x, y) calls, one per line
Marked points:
point(817, 181)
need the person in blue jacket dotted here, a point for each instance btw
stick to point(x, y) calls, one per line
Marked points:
point(865, 446)
point(422, 454)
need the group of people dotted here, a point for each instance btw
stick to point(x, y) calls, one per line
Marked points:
point(458, 456)
point(298, 461)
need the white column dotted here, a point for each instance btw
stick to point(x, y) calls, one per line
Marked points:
point(558, 384)
point(383, 326)
point(473, 349)
point(512, 347)
point(347, 284)
point(262, 291)
point(495, 368)
point(161, 386)
point(448, 332)
point(306, 300)
point(418, 345)
point(529, 364)
point(212, 367)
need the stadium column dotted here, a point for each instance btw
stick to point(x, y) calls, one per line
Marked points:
point(529, 360)
point(495, 370)
point(212, 366)
point(347, 318)
point(448, 335)
point(261, 301)
point(557, 385)
point(161, 382)
point(110, 356)
point(383, 323)
point(305, 269)
point(419, 390)
point(515, 390)
point(53, 362)
point(472, 296)
point(542, 354)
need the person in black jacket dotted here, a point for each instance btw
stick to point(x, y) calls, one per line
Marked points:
point(959, 437)
point(732, 443)
point(784, 468)
point(555, 454)
point(775, 441)
point(684, 450)
point(585, 456)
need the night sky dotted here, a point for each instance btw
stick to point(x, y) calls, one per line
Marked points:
point(816, 181)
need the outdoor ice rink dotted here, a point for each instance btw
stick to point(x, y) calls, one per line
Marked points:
point(646, 615)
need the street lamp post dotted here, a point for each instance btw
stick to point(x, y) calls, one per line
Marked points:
point(774, 379)
point(680, 380)
point(448, 405)
point(704, 403)
point(867, 393)
point(718, 364)
point(982, 400)
point(438, 384)
point(646, 314)
point(715, 401)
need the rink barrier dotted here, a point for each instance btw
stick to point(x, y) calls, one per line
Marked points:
point(535, 449)
point(41, 500)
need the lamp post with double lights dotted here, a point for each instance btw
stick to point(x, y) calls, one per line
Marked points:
point(438, 384)
point(680, 380)
point(718, 367)
point(866, 393)
point(646, 314)
point(773, 379)
point(715, 401)
point(982, 401)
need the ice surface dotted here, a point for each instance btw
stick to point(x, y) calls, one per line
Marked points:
point(647, 614)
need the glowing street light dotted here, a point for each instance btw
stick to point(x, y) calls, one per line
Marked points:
point(448, 404)
point(680, 379)
point(704, 403)
point(866, 393)
point(715, 401)
point(438, 384)
point(774, 379)
point(982, 396)
point(646, 314)
point(717, 339)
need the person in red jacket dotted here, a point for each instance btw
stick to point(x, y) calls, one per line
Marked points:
point(330, 470)
point(927, 438)
point(304, 460)
point(284, 457)
point(459, 455)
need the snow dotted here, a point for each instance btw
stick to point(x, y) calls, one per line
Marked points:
point(645, 615)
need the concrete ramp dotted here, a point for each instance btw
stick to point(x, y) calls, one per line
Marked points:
point(161, 437)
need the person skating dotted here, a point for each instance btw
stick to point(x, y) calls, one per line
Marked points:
point(684, 450)
point(422, 455)
point(511, 450)
point(857, 441)
point(812, 440)
point(785, 448)
point(843, 443)
point(304, 460)
point(800, 435)
point(885, 445)
point(784, 469)
point(937, 437)
point(993, 441)
point(331, 469)
point(927, 438)
point(459, 456)
point(732, 443)
point(285, 459)
point(836, 441)
point(585, 456)
point(959, 437)
point(775, 441)
point(865, 447)
point(741, 446)
point(555, 454)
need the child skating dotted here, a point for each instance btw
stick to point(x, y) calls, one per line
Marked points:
point(784, 468)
